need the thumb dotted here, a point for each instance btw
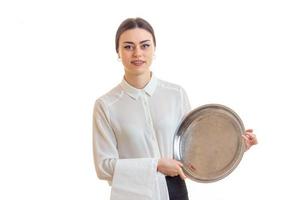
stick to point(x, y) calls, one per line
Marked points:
point(181, 174)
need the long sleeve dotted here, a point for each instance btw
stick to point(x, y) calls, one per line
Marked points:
point(137, 179)
point(104, 142)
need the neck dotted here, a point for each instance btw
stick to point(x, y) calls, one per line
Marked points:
point(138, 81)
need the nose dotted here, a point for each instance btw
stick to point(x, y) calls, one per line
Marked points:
point(137, 52)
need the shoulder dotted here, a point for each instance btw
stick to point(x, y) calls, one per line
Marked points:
point(110, 97)
point(165, 85)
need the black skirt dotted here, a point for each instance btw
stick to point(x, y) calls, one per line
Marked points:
point(177, 188)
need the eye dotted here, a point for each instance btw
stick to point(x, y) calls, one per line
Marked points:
point(145, 46)
point(128, 47)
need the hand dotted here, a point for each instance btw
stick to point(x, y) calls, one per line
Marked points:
point(250, 138)
point(170, 167)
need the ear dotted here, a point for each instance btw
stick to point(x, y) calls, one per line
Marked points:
point(119, 54)
point(119, 57)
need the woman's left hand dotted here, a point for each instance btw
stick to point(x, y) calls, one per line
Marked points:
point(250, 138)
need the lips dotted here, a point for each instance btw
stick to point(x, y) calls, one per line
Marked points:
point(137, 62)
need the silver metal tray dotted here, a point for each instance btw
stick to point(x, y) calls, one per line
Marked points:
point(209, 143)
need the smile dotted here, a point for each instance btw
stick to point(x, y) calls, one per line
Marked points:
point(138, 62)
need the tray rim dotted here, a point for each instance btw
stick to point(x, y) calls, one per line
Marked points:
point(178, 136)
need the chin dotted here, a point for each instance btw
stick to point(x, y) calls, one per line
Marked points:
point(138, 71)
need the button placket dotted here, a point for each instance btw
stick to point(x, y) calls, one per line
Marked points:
point(149, 123)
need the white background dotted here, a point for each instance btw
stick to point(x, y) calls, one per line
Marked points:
point(57, 57)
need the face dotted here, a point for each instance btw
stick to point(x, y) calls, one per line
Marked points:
point(136, 49)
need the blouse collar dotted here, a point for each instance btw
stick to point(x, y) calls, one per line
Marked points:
point(135, 92)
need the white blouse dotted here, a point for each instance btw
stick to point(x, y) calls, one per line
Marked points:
point(134, 124)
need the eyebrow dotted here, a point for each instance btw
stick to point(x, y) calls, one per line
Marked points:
point(141, 42)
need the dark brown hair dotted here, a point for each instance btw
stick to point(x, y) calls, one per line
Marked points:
point(132, 23)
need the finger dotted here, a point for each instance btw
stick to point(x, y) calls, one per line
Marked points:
point(178, 163)
point(249, 130)
point(173, 174)
point(250, 140)
point(245, 137)
point(246, 142)
point(251, 136)
point(250, 133)
point(248, 136)
point(191, 167)
point(181, 174)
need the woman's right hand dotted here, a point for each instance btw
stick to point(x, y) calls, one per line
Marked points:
point(170, 167)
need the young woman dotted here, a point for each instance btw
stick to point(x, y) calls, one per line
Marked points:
point(134, 124)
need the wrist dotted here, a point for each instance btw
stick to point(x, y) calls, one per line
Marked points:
point(158, 164)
